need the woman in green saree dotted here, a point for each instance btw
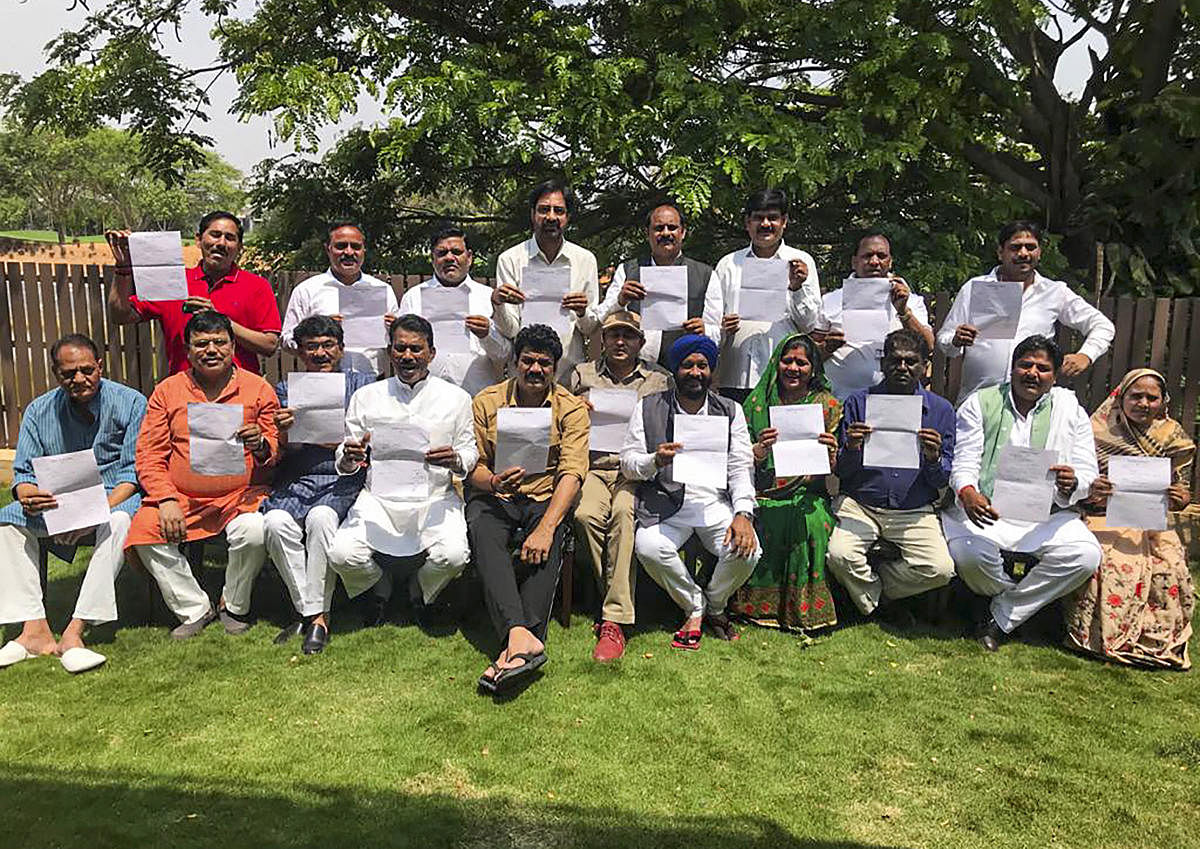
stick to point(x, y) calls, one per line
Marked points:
point(788, 589)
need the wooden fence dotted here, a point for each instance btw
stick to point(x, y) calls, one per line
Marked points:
point(41, 302)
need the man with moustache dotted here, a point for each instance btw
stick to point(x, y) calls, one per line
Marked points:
point(85, 412)
point(346, 248)
point(604, 517)
point(669, 513)
point(851, 368)
point(1031, 412)
point(665, 232)
point(183, 504)
point(309, 499)
point(1043, 303)
point(893, 504)
point(384, 534)
point(746, 347)
point(217, 283)
point(552, 204)
point(490, 350)
point(524, 507)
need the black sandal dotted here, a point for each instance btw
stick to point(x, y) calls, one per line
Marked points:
point(508, 677)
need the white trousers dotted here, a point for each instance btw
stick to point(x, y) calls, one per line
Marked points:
point(445, 558)
point(21, 588)
point(302, 556)
point(178, 585)
point(657, 547)
point(1067, 555)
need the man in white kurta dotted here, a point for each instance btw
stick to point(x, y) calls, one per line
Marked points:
point(425, 519)
point(746, 346)
point(1036, 415)
point(484, 363)
point(551, 205)
point(1043, 302)
point(321, 295)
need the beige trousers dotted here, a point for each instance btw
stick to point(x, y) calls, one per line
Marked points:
point(924, 563)
point(604, 519)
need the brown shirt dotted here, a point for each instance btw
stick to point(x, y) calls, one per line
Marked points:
point(646, 378)
point(569, 428)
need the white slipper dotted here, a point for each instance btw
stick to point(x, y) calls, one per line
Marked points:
point(81, 660)
point(14, 652)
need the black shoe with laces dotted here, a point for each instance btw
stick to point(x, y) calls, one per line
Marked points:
point(990, 635)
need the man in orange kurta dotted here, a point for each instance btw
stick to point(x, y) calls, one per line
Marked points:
point(184, 503)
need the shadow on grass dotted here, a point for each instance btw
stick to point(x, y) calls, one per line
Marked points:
point(56, 808)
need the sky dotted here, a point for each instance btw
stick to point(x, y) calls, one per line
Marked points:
point(30, 24)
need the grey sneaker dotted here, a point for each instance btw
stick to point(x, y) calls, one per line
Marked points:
point(233, 625)
point(191, 629)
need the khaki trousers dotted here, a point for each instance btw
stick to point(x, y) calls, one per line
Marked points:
point(924, 563)
point(604, 518)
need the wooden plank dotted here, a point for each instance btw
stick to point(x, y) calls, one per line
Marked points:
point(42, 323)
point(8, 370)
point(937, 304)
point(1123, 343)
point(97, 312)
point(1180, 318)
point(20, 336)
point(1158, 335)
point(76, 292)
point(1192, 385)
point(1099, 380)
point(1143, 314)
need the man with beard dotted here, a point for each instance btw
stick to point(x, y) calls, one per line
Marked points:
point(893, 504)
point(552, 204)
point(184, 503)
point(1030, 412)
point(217, 283)
point(484, 364)
point(85, 412)
point(1043, 303)
point(604, 517)
point(665, 232)
point(746, 347)
point(346, 249)
point(669, 513)
point(309, 498)
point(524, 507)
point(386, 530)
point(851, 368)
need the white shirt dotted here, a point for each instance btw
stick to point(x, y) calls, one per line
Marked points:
point(394, 525)
point(612, 304)
point(1070, 435)
point(638, 465)
point(744, 355)
point(855, 367)
point(1044, 302)
point(584, 278)
point(319, 295)
point(484, 365)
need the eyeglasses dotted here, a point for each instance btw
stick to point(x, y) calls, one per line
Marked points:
point(330, 345)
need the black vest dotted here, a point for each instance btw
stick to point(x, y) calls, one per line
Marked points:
point(698, 275)
point(660, 498)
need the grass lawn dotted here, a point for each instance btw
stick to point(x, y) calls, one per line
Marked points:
point(864, 737)
point(45, 236)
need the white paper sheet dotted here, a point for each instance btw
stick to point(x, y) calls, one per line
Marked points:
point(995, 308)
point(319, 401)
point(398, 467)
point(447, 308)
point(522, 439)
point(665, 304)
point(866, 329)
point(544, 289)
point(866, 293)
point(763, 294)
point(1140, 496)
point(892, 442)
point(362, 309)
point(797, 452)
point(213, 449)
point(704, 458)
point(1024, 486)
point(611, 410)
point(157, 260)
point(74, 481)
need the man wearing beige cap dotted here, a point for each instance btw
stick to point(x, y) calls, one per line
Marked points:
point(604, 517)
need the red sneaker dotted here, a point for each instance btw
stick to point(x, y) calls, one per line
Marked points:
point(611, 644)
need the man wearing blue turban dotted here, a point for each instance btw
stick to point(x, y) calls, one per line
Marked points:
point(669, 511)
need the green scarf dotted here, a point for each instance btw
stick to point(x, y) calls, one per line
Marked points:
point(998, 414)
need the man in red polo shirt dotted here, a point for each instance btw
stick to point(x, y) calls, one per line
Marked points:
point(215, 284)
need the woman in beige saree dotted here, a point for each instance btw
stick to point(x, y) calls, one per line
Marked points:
point(1137, 608)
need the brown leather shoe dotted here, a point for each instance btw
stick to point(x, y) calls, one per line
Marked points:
point(611, 644)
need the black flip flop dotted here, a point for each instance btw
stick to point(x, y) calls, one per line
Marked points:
point(486, 684)
point(507, 678)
